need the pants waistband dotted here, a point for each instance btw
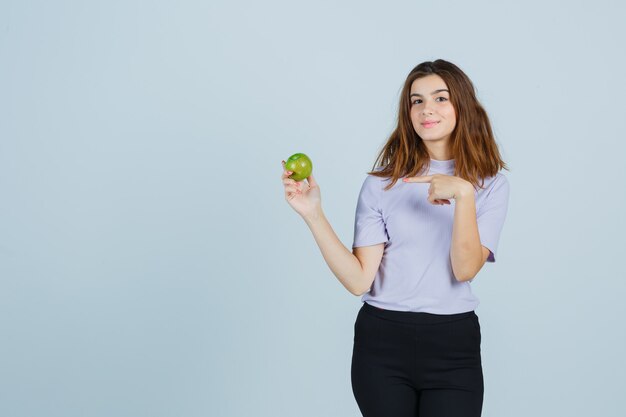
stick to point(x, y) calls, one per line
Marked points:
point(414, 317)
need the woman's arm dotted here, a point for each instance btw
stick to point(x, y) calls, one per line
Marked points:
point(466, 251)
point(467, 254)
point(354, 271)
point(345, 265)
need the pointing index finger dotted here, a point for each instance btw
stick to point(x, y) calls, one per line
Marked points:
point(425, 178)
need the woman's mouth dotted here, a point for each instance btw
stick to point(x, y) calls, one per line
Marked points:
point(429, 125)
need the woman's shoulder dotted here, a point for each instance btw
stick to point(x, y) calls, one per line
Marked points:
point(500, 179)
point(498, 183)
point(371, 177)
point(376, 169)
point(375, 179)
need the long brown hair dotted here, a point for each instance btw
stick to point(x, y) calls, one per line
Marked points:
point(473, 147)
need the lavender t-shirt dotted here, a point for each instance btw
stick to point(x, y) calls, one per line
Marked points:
point(415, 273)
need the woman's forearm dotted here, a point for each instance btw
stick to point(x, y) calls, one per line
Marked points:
point(465, 250)
point(340, 260)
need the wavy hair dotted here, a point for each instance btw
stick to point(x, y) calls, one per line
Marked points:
point(473, 146)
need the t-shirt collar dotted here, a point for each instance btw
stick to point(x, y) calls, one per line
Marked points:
point(442, 166)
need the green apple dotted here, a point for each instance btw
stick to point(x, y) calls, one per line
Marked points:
point(300, 165)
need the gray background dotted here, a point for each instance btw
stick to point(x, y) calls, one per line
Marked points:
point(150, 266)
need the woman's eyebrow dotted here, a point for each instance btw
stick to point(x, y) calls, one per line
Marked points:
point(434, 92)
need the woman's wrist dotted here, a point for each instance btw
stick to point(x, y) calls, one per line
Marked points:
point(465, 193)
point(313, 217)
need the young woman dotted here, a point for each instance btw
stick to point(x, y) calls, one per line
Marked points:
point(418, 243)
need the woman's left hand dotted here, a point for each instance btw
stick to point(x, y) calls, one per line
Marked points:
point(443, 188)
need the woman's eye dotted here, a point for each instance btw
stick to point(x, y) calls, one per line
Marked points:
point(417, 99)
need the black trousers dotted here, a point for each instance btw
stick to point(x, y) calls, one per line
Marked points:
point(415, 364)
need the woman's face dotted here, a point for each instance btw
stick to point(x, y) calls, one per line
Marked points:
point(429, 103)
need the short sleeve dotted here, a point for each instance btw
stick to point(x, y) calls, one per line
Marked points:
point(369, 226)
point(491, 215)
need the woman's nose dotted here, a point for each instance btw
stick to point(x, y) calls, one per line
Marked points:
point(427, 109)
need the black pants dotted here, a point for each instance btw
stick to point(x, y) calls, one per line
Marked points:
point(408, 364)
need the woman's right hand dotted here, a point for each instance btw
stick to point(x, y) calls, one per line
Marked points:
point(303, 197)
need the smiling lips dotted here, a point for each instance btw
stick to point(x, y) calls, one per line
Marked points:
point(429, 124)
